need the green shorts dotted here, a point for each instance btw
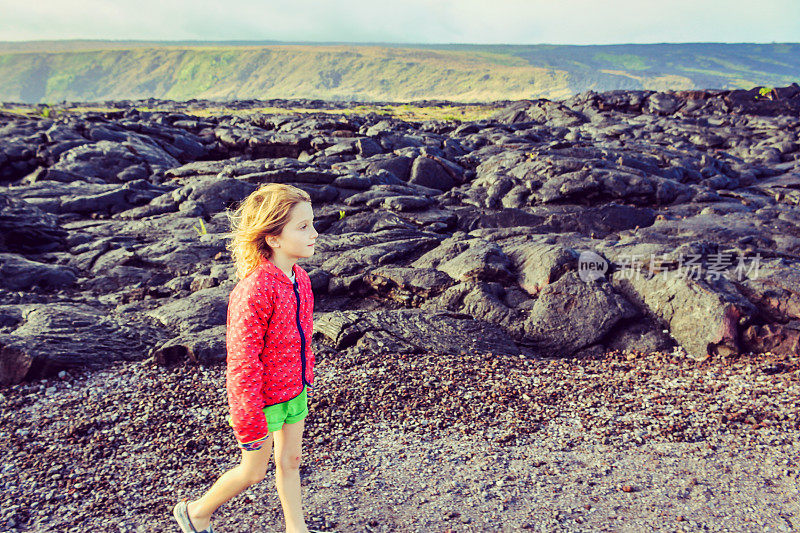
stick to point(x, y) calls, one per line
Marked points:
point(287, 412)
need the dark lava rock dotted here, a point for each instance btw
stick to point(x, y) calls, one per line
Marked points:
point(113, 227)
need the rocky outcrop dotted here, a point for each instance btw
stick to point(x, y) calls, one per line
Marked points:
point(628, 220)
point(26, 229)
point(49, 337)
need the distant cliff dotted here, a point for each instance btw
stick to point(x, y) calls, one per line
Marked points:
point(49, 72)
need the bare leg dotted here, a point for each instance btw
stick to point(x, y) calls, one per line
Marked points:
point(250, 471)
point(288, 444)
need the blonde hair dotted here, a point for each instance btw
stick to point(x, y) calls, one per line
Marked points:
point(264, 212)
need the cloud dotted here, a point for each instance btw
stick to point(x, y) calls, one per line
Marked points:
point(410, 21)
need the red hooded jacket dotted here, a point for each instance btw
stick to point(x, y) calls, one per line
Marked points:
point(268, 340)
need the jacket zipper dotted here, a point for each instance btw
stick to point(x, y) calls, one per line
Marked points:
point(302, 338)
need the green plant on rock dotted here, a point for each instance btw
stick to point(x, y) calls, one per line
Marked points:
point(767, 92)
point(202, 229)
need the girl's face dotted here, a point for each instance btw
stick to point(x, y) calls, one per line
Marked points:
point(298, 236)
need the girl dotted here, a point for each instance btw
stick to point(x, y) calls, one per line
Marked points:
point(269, 361)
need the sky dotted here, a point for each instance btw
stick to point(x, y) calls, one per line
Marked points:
point(406, 21)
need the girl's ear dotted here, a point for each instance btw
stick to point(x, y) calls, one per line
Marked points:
point(270, 240)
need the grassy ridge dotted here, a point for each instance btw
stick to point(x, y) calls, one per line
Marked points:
point(460, 73)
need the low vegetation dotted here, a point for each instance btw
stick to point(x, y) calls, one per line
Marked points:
point(408, 112)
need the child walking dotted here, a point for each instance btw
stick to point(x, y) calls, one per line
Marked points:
point(270, 366)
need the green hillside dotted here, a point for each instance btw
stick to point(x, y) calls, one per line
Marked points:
point(49, 72)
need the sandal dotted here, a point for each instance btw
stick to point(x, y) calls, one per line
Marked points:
point(181, 514)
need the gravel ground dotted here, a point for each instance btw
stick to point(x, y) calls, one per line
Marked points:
point(423, 442)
